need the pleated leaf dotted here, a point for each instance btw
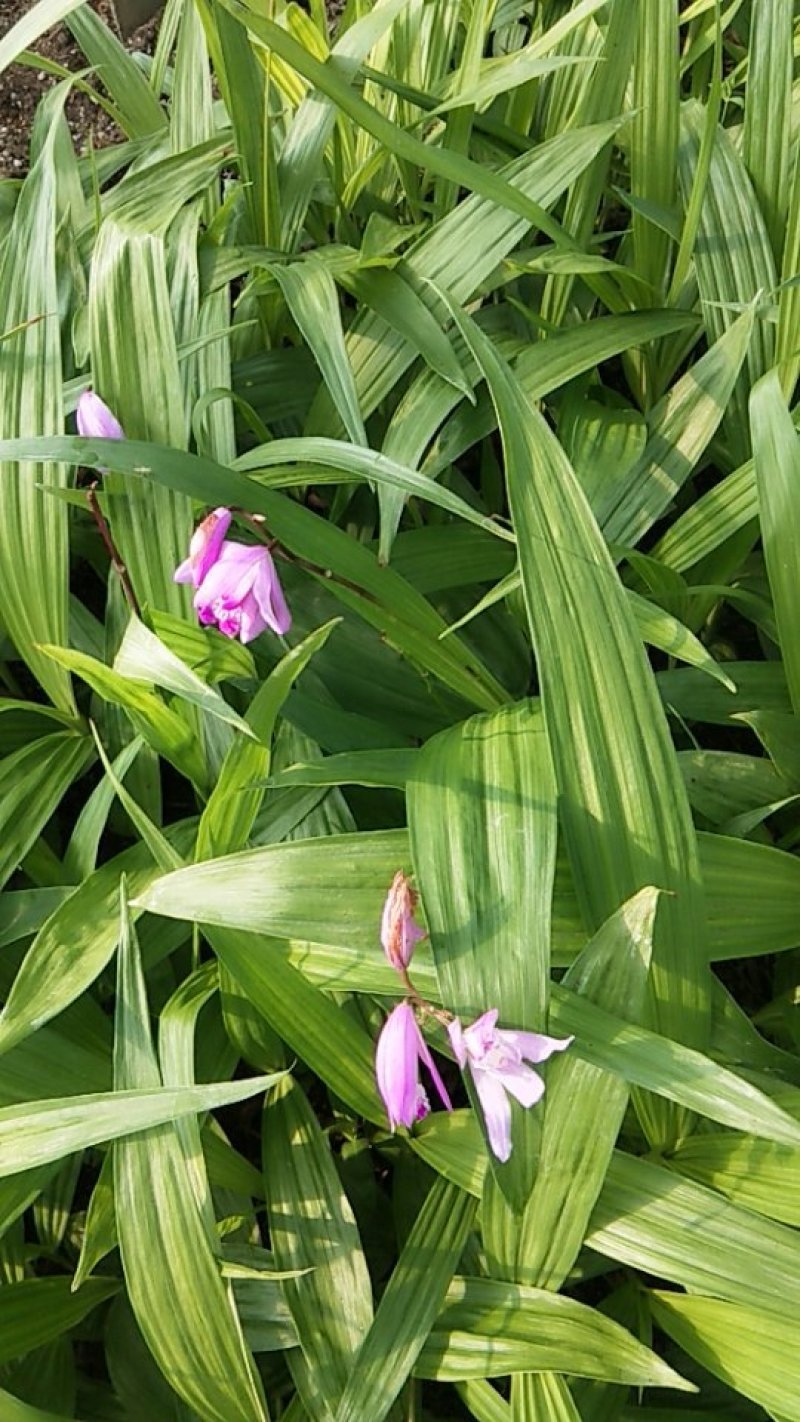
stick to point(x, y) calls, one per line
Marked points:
point(32, 782)
point(182, 1306)
point(312, 1228)
point(584, 1107)
point(34, 1311)
point(34, 548)
point(732, 257)
point(326, 890)
point(776, 458)
point(754, 1352)
point(411, 1302)
point(488, 1328)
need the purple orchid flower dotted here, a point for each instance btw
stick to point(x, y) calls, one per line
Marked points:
point(399, 933)
point(237, 587)
point(95, 420)
point(496, 1060)
point(401, 1048)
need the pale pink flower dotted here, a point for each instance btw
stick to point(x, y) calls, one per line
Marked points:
point(399, 933)
point(497, 1061)
point(401, 1048)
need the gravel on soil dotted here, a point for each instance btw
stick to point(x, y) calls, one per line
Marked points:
point(21, 88)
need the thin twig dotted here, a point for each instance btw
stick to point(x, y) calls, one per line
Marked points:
point(111, 548)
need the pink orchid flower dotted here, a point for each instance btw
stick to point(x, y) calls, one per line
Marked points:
point(401, 1048)
point(497, 1062)
point(399, 933)
point(237, 587)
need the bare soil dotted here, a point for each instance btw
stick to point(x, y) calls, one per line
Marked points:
point(21, 88)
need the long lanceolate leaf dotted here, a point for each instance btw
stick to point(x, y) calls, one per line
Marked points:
point(733, 258)
point(182, 1305)
point(776, 457)
point(33, 529)
point(313, 1232)
point(408, 1308)
point(624, 809)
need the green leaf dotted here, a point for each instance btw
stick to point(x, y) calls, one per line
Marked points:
point(584, 1106)
point(34, 22)
point(32, 783)
point(182, 1306)
point(386, 769)
point(334, 1045)
point(654, 133)
point(326, 890)
point(34, 553)
point(160, 726)
point(680, 428)
point(754, 1352)
point(143, 657)
point(14, 1410)
point(650, 1219)
point(236, 797)
point(312, 1228)
point(40, 1131)
point(74, 944)
point(138, 106)
point(732, 258)
point(488, 1328)
point(310, 294)
point(410, 1303)
point(760, 1175)
point(776, 457)
point(767, 113)
point(34, 1311)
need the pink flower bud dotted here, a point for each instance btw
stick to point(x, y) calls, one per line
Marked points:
point(399, 933)
point(95, 420)
point(401, 1048)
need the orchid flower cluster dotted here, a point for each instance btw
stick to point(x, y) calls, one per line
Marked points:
point(496, 1059)
point(236, 584)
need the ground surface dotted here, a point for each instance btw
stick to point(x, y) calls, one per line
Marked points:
point(22, 87)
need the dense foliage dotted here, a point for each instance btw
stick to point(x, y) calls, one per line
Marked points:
point(480, 317)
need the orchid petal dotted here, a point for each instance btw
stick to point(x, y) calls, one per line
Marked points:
point(496, 1112)
point(456, 1034)
point(425, 1055)
point(523, 1083)
point(534, 1046)
point(184, 573)
point(252, 621)
point(206, 543)
point(269, 595)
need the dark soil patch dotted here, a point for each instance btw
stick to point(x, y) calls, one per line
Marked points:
point(22, 87)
